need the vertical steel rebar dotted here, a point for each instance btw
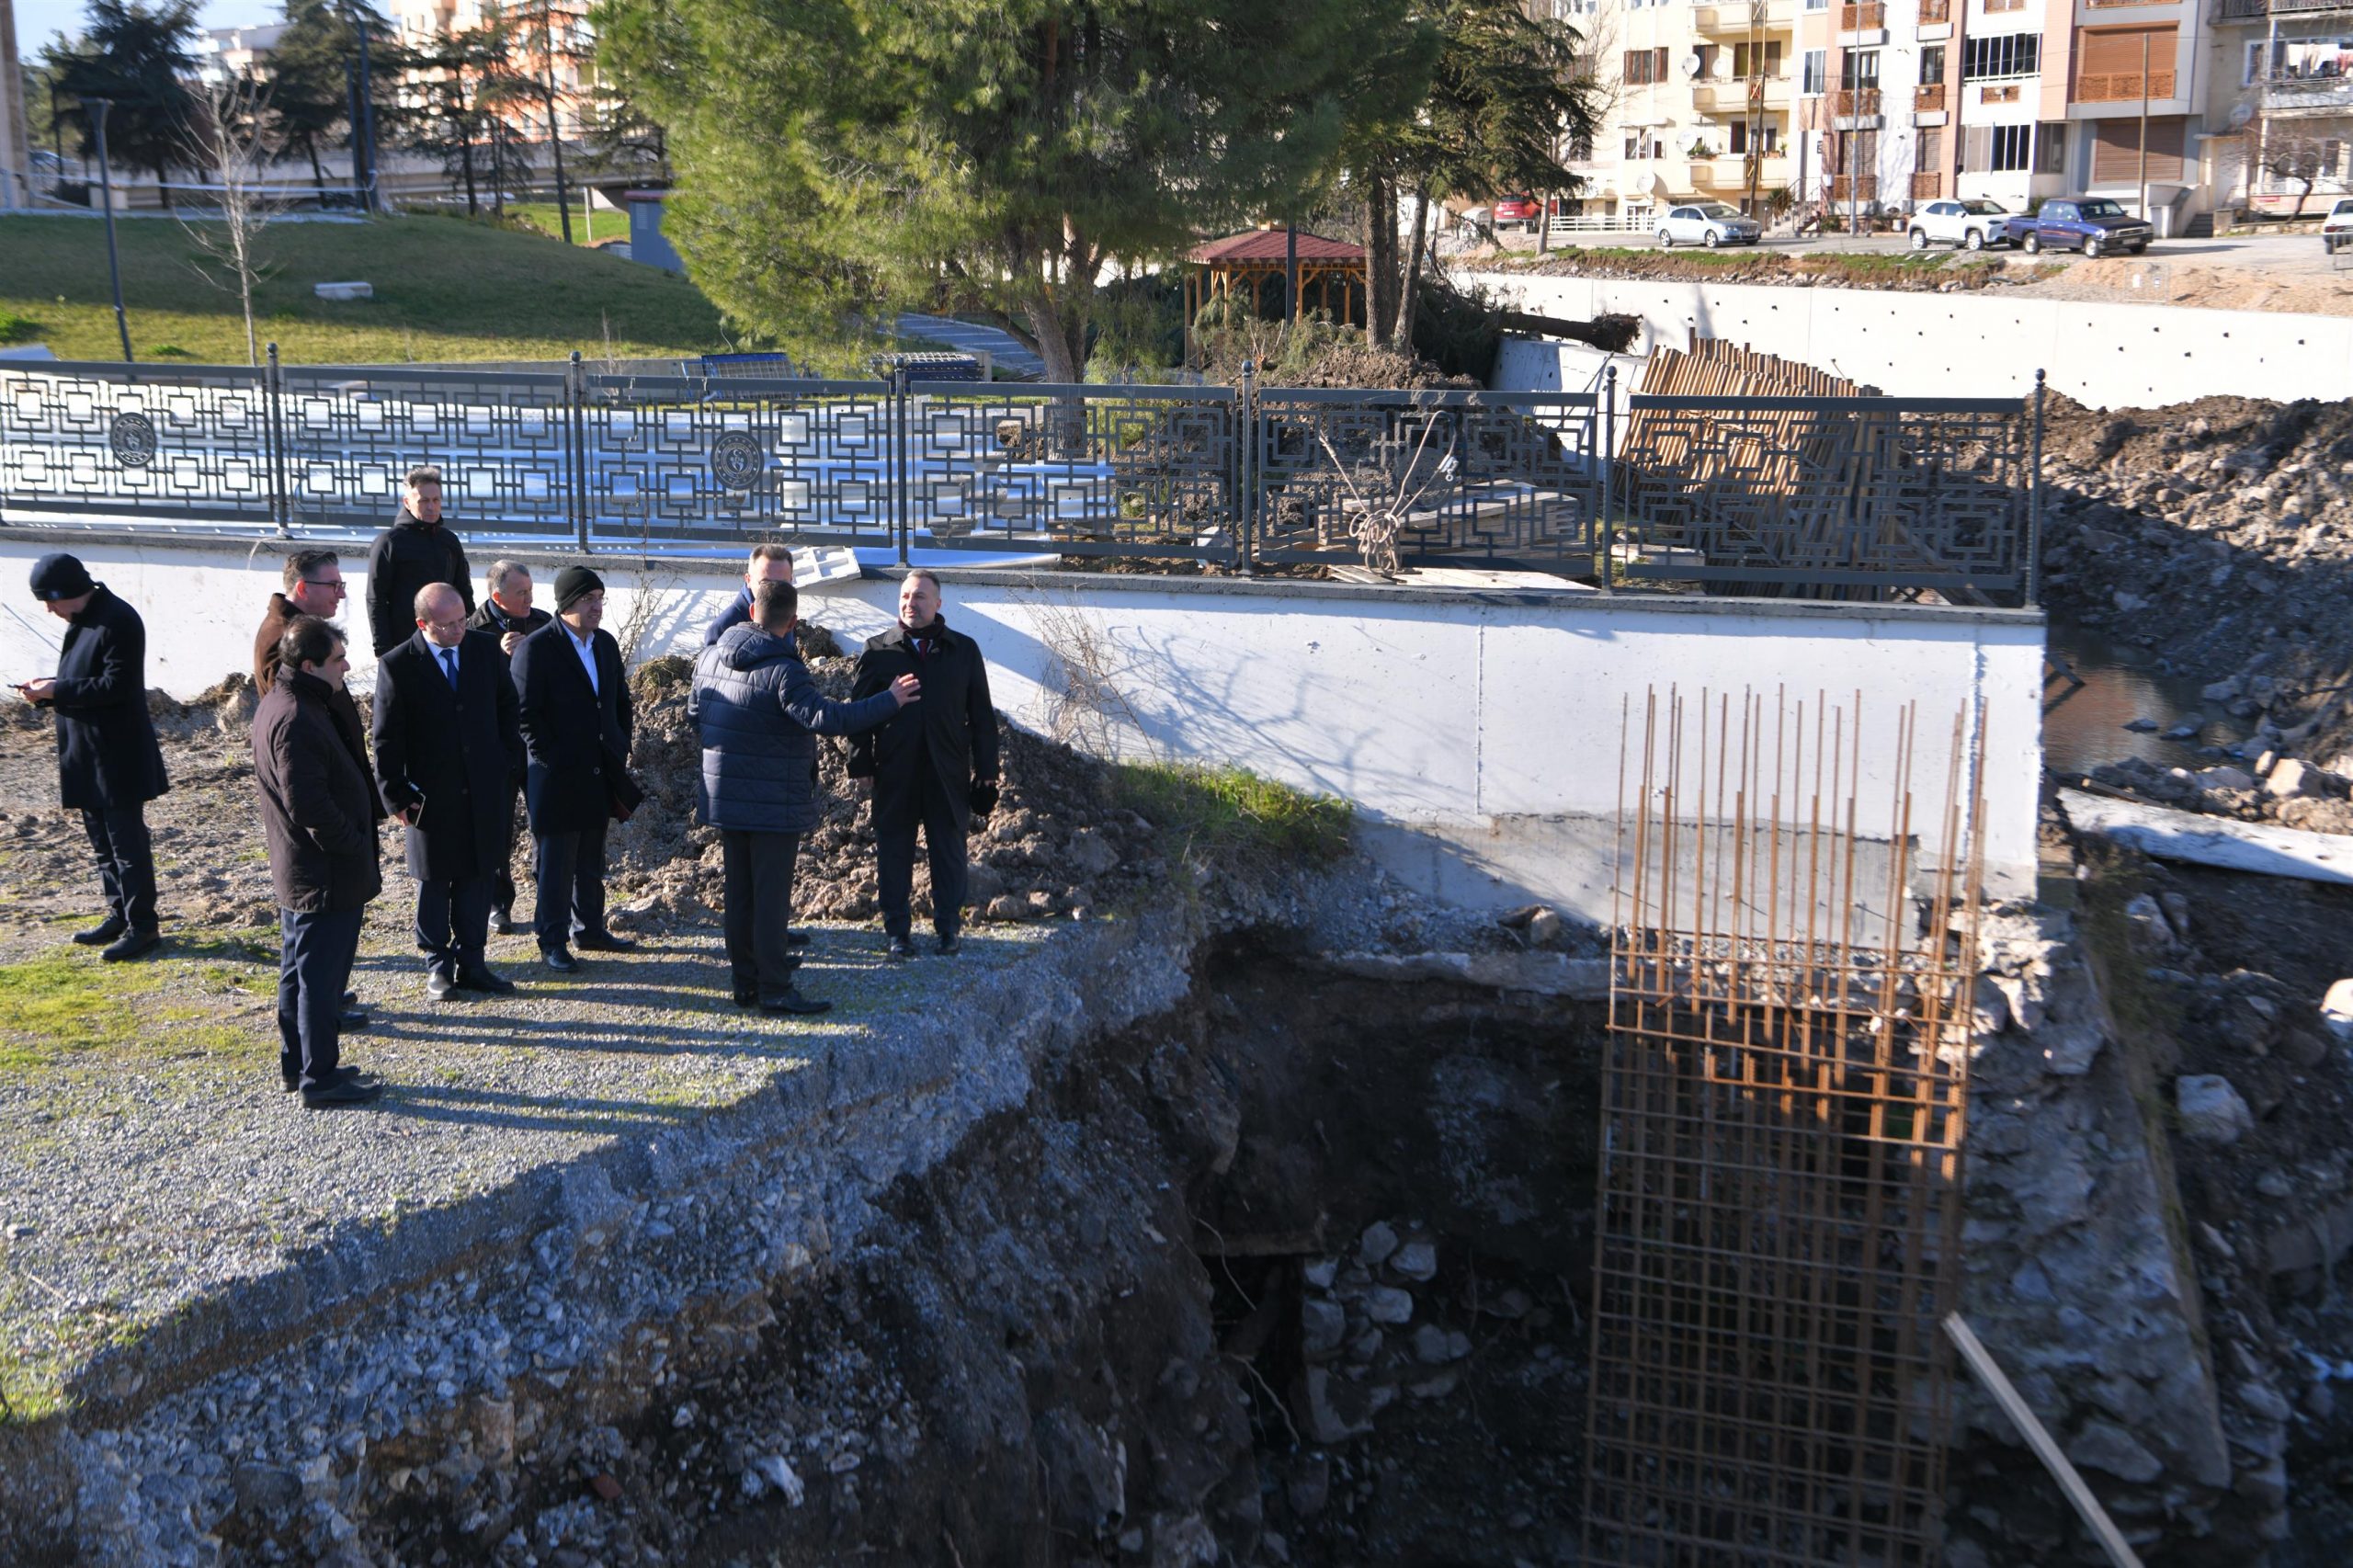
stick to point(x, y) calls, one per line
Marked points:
point(2034, 499)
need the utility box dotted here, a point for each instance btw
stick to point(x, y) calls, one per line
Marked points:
point(646, 243)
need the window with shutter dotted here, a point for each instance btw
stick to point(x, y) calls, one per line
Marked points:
point(1931, 157)
point(1977, 148)
point(2110, 64)
point(2050, 148)
point(2116, 150)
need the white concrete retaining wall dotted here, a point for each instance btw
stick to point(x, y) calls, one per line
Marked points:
point(1477, 731)
point(1960, 345)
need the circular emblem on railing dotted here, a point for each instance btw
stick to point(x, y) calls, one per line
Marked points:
point(132, 437)
point(736, 460)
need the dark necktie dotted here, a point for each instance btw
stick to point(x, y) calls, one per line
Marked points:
point(449, 665)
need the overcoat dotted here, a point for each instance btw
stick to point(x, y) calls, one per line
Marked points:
point(107, 756)
point(576, 736)
point(760, 716)
point(950, 730)
point(317, 801)
point(406, 557)
point(458, 753)
point(265, 641)
point(491, 619)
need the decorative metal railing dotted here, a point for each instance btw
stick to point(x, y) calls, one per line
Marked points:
point(1858, 497)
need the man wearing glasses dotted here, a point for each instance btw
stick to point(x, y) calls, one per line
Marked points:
point(314, 580)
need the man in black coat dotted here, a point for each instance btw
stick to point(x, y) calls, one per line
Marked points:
point(447, 756)
point(507, 613)
point(108, 762)
point(577, 720)
point(759, 714)
point(769, 563)
point(934, 766)
point(415, 552)
point(318, 817)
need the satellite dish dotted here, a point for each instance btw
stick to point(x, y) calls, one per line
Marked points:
point(2240, 115)
point(1690, 66)
point(1642, 182)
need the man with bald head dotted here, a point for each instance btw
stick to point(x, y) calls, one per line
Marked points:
point(449, 751)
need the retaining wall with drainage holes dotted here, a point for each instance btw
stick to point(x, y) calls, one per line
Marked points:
point(1958, 345)
point(1475, 729)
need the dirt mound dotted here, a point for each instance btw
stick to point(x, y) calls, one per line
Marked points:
point(1922, 273)
point(1056, 845)
point(2154, 281)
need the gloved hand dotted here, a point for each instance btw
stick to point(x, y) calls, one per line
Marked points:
point(984, 798)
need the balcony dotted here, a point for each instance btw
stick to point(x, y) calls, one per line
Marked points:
point(1935, 12)
point(1928, 98)
point(2123, 86)
point(1927, 188)
point(1780, 15)
point(1729, 174)
point(1854, 187)
point(1732, 97)
point(1854, 103)
point(2005, 93)
point(1856, 19)
point(2293, 95)
point(2258, 10)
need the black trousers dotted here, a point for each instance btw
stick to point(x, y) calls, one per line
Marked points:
point(501, 881)
point(314, 959)
point(125, 862)
point(570, 870)
point(894, 871)
point(453, 922)
point(759, 911)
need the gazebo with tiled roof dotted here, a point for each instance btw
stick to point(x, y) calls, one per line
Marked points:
point(1332, 274)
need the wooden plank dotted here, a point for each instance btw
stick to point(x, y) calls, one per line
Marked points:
point(2214, 841)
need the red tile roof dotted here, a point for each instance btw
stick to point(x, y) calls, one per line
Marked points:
point(1269, 245)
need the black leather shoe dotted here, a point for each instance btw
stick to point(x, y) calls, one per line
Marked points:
point(559, 961)
point(796, 1003)
point(603, 942)
point(502, 922)
point(351, 998)
point(440, 986)
point(132, 944)
point(478, 977)
point(106, 931)
point(796, 938)
point(342, 1092)
point(293, 1080)
point(746, 999)
point(900, 947)
point(351, 1020)
point(950, 942)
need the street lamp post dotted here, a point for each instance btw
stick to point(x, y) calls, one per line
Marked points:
point(96, 108)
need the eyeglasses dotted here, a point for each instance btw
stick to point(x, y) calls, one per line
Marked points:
point(334, 583)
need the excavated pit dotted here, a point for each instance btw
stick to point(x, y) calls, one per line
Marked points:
point(1289, 1273)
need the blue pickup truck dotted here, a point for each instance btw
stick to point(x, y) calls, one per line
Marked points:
point(2089, 224)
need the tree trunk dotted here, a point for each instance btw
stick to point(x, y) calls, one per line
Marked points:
point(1409, 301)
point(318, 175)
point(1060, 339)
point(466, 158)
point(1381, 256)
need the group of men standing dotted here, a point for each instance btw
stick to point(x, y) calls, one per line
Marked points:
point(471, 705)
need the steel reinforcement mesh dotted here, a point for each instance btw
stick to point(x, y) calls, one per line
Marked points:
point(1782, 1113)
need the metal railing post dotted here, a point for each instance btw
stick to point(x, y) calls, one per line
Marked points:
point(1606, 527)
point(575, 406)
point(1245, 458)
point(273, 444)
point(901, 442)
point(2034, 501)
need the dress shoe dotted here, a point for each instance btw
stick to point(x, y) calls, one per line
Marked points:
point(351, 998)
point(796, 938)
point(337, 1092)
point(502, 922)
point(293, 1080)
point(104, 931)
point(558, 960)
point(900, 947)
point(440, 985)
point(131, 945)
point(747, 999)
point(602, 942)
point(950, 942)
point(351, 1020)
point(795, 1003)
point(478, 977)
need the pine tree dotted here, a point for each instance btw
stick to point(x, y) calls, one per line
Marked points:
point(138, 58)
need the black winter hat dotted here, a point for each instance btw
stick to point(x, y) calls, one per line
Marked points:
point(58, 576)
point(574, 584)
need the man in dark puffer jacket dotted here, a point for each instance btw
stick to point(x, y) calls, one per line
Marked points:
point(760, 714)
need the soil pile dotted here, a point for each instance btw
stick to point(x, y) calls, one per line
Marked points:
point(1831, 269)
point(2219, 533)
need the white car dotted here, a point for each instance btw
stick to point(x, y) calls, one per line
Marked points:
point(1972, 224)
point(2337, 229)
point(1709, 223)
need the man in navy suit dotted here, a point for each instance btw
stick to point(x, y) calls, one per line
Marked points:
point(577, 720)
point(448, 750)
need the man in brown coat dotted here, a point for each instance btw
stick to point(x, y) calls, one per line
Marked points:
point(315, 795)
point(314, 580)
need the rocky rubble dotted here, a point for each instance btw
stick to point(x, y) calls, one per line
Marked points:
point(2288, 791)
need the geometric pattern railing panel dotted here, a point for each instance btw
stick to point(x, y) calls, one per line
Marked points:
point(169, 443)
point(1486, 478)
point(1091, 470)
point(683, 460)
point(1832, 493)
point(502, 440)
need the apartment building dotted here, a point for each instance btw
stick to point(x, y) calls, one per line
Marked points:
point(2278, 101)
point(1869, 107)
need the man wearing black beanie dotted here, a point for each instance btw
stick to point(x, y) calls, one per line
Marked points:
point(574, 706)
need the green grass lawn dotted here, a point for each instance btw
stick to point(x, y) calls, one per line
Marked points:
point(445, 289)
point(587, 227)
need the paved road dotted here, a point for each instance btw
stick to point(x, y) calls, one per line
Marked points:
point(967, 339)
point(2282, 254)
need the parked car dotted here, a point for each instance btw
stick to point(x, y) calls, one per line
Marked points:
point(1516, 209)
point(2337, 229)
point(2089, 224)
point(1972, 224)
point(1709, 223)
